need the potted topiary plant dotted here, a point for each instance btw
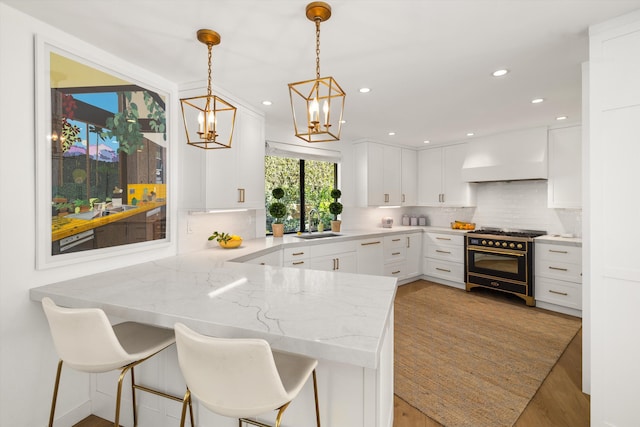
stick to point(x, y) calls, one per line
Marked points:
point(277, 210)
point(335, 208)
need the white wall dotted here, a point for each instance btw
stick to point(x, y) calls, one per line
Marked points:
point(27, 357)
point(614, 276)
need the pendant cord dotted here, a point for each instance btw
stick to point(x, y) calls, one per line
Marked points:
point(317, 20)
point(209, 47)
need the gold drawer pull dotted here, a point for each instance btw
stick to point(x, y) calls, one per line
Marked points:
point(298, 262)
point(395, 253)
point(557, 268)
point(443, 238)
point(395, 272)
point(370, 243)
point(297, 253)
point(443, 269)
point(395, 240)
point(443, 252)
point(559, 293)
point(558, 252)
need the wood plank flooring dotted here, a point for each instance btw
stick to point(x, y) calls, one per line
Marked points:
point(558, 403)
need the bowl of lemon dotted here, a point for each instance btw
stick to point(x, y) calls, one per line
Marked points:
point(225, 240)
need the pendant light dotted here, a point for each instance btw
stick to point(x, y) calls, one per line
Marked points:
point(208, 119)
point(317, 104)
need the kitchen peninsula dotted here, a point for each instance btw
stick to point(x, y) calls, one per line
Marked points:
point(344, 320)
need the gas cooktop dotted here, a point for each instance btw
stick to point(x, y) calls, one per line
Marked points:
point(494, 231)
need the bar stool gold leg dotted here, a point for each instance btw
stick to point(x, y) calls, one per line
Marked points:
point(55, 394)
point(315, 396)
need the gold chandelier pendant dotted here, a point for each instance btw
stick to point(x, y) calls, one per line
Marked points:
point(317, 105)
point(209, 120)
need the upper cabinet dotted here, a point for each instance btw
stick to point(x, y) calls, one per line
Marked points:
point(378, 174)
point(439, 177)
point(409, 178)
point(565, 168)
point(234, 177)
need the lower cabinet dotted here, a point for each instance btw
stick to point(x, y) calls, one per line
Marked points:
point(339, 256)
point(558, 278)
point(370, 254)
point(145, 226)
point(402, 255)
point(444, 258)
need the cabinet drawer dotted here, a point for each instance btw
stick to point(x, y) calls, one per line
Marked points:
point(443, 239)
point(572, 254)
point(447, 270)
point(296, 263)
point(447, 253)
point(397, 241)
point(289, 254)
point(394, 254)
point(558, 270)
point(566, 294)
point(395, 270)
point(330, 248)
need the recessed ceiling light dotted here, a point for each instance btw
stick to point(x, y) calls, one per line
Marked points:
point(391, 133)
point(500, 73)
point(426, 141)
point(266, 102)
point(537, 100)
point(470, 134)
point(561, 118)
point(365, 90)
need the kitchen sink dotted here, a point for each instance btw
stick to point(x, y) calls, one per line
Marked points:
point(310, 236)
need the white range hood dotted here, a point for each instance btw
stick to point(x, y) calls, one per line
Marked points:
point(508, 156)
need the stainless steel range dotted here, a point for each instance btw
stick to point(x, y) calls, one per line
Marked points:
point(502, 260)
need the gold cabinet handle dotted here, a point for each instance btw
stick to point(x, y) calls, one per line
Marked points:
point(443, 269)
point(338, 263)
point(386, 197)
point(395, 240)
point(240, 195)
point(298, 262)
point(395, 253)
point(297, 253)
point(558, 268)
point(558, 293)
point(443, 238)
point(442, 252)
point(558, 252)
point(403, 198)
point(395, 272)
point(370, 243)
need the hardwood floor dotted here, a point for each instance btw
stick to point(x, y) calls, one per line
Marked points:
point(559, 402)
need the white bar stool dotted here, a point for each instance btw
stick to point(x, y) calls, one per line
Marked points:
point(86, 341)
point(241, 378)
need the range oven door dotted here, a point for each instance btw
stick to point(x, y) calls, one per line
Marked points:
point(497, 263)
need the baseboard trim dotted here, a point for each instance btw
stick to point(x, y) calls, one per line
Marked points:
point(75, 415)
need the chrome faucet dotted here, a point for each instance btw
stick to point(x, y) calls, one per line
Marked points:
point(311, 217)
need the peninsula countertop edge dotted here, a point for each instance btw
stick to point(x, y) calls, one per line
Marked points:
point(340, 317)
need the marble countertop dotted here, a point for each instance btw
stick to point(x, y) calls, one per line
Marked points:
point(559, 239)
point(326, 315)
point(262, 246)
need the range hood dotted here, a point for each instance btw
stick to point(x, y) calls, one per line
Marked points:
point(508, 156)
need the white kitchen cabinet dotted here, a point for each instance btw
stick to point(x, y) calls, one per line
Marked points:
point(370, 255)
point(402, 256)
point(234, 177)
point(444, 258)
point(565, 168)
point(297, 257)
point(378, 174)
point(272, 258)
point(409, 177)
point(345, 262)
point(439, 177)
point(558, 278)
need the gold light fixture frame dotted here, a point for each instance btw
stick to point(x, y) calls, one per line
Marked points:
point(209, 120)
point(321, 100)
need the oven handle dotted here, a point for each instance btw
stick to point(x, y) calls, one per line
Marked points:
point(493, 251)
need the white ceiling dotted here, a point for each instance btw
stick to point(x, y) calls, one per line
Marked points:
point(428, 62)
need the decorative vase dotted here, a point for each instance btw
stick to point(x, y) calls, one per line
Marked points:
point(335, 225)
point(278, 230)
